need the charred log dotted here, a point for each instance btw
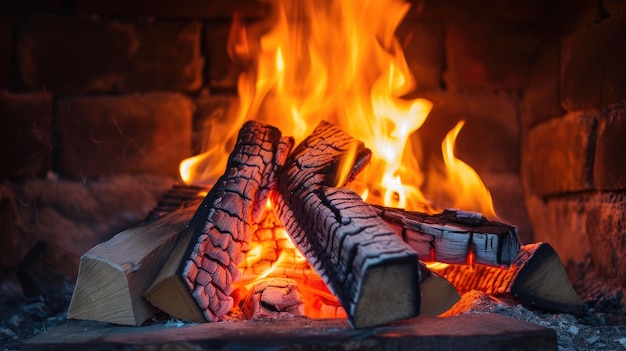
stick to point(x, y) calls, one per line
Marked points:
point(196, 282)
point(537, 276)
point(451, 235)
point(373, 273)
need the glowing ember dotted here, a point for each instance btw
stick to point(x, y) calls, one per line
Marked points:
point(337, 61)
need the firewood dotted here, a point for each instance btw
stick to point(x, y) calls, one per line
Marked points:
point(451, 235)
point(373, 273)
point(196, 281)
point(438, 295)
point(537, 276)
point(274, 298)
point(113, 275)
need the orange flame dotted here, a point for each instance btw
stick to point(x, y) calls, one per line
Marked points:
point(338, 61)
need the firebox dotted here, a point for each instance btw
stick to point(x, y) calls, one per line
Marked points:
point(108, 104)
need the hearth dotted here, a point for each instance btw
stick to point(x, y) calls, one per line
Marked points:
point(96, 126)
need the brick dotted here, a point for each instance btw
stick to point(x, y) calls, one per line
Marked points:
point(455, 10)
point(108, 56)
point(133, 134)
point(489, 141)
point(185, 9)
point(606, 215)
point(508, 198)
point(614, 7)
point(579, 225)
point(6, 50)
point(25, 136)
point(542, 98)
point(561, 221)
point(215, 121)
point(223, 71)
point(490, 55)
point(558, 154)
point(423, 46)
point(609, 171)
point(592, 69)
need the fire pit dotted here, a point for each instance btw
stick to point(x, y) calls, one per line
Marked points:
point(342, 210)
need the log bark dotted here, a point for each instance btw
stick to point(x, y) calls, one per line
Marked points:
point(373, 273)
point(451, 235)
point(537, 276)
point(113, 275)
point(196, 281)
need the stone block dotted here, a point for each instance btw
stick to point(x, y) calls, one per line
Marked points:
point(134, 134)
point(215, 120)
point(79, 55)
point(558, 155)
point(542, 98)
point(423, 46)
point(454, 10)
point(609, 171)
point(592, 66)
point(490, 55)
point(25, 136)
point(490, 139)
point(184, 9)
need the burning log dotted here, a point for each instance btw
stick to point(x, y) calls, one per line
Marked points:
point(536, 276)
point(196, 281)
point(451, 235)
point(113, 275)
point(274, 298)
point(374, 274)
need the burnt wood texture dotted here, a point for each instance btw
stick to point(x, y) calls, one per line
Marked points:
point(451, 235)
point(196, 282)
point(537, 277)
point(373, 273)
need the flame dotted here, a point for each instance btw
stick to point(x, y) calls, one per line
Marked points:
point(334, 60)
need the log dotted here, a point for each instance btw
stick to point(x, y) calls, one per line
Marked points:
point(196, 281)
point(438, 295)
point(450, 236)
point(276, 298)
point(537, 277)
point(113, 275)
point(373, 273)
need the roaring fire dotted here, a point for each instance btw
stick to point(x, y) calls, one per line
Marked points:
point(338, 61)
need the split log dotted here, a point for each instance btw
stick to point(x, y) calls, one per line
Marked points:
point(373, 273)
point(537, 276)
point(438, 295)
point(451, 235)
point(196, 281)
point(113, 275)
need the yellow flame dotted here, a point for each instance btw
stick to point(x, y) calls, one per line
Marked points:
point(339, 61)
point(463, 182)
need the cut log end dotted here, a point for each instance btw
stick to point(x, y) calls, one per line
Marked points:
point(388, 295)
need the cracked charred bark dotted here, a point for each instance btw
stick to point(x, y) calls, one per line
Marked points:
point(196, 282)
point(373, 273)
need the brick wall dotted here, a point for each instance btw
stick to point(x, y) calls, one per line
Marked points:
point(100, 87)
point(574, 134)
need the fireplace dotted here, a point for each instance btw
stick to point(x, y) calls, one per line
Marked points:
point(114, 95)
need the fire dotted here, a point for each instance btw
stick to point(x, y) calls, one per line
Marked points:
point(338, 61)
